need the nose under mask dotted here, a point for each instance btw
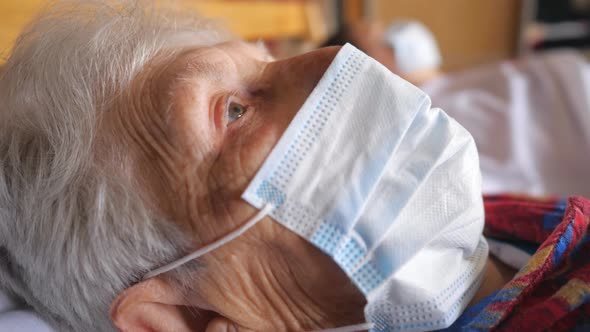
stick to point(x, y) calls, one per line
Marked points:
point(389, 188)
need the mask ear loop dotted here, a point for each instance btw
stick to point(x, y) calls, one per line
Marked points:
point(212, 246)
point(349, 328)
point(229, 237)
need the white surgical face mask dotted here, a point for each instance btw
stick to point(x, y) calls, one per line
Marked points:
point(414, 46)
point(387, 187)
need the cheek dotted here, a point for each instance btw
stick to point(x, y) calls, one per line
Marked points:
point(265, 133)
point(243, 153)
point(250, 140)
point(254, 154)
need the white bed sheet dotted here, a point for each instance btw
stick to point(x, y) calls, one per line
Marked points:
point(17, 319)
point(530, 119)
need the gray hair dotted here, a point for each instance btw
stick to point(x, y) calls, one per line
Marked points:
point(74, 228)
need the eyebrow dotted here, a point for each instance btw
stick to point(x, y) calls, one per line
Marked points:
point(192, 63)
point(202, 65)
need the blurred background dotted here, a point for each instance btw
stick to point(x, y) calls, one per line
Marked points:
point(469, 32)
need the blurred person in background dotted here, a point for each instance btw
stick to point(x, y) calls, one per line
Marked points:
point(407, 48)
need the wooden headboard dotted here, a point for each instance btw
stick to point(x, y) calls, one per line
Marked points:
point(249, 19)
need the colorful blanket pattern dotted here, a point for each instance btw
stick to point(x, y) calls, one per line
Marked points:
point(552, 291)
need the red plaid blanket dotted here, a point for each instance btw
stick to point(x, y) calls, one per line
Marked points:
point(552, 291)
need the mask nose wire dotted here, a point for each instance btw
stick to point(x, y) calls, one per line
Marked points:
point(212, 246)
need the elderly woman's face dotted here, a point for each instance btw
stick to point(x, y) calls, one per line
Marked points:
point(199, 126)
point(204, 121)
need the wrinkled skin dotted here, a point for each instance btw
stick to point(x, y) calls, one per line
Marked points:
point(199, 126)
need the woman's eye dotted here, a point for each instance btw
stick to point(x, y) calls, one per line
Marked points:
point(235, 111)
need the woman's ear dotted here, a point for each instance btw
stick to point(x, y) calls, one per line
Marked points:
point(155, 305)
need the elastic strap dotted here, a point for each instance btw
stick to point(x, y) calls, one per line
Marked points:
point(212, 246)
